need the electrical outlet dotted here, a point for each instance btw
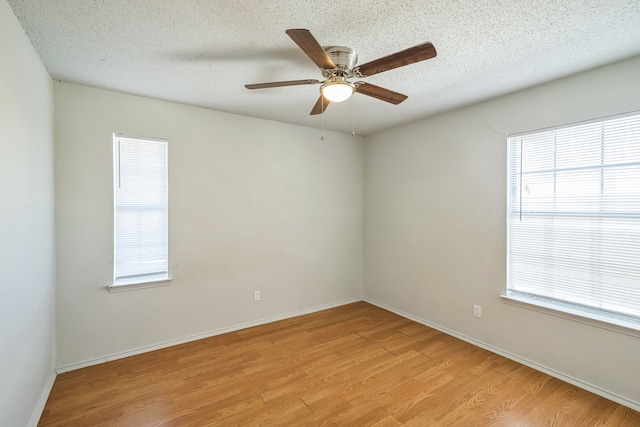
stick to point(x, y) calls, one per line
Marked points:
point(477, 311)
point(256, 295)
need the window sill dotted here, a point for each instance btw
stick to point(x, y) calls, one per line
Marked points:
point(140, 283)
point(611, 324)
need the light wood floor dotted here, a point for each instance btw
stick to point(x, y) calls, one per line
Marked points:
point(356, 365)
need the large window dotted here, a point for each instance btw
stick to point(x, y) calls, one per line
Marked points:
point(140, 217)
point(574, 218)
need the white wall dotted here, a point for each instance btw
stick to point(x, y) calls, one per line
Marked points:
point(253, 205)
point(27, 261)
point(435, 227)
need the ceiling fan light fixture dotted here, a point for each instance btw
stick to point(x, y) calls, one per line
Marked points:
point(337, 89)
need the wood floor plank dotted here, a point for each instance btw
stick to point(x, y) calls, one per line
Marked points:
point(354, 365)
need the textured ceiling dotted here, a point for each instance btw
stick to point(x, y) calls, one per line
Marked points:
point(202, 52)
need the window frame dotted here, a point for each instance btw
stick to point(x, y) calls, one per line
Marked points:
point(142, 280)
point(626, 324)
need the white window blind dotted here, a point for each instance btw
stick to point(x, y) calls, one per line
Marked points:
point(140, 190)
point(574, 217)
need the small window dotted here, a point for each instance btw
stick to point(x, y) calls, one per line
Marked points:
point(574, 219)
point(140, 211)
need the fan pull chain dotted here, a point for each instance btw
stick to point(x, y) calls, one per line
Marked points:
point(353, 115)
point(322, 118)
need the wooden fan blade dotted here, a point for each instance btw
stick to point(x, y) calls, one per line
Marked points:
point(381, 93)
point(279, 84)
point(399, 59)
point(311, 47)
point(320, 106)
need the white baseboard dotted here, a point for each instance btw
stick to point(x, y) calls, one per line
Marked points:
point(549, 371)
point(42, 400)
point(158, 346)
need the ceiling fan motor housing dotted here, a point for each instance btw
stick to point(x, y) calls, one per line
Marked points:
point(345, 59)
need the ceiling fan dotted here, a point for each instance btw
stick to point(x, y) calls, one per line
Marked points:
point(338, 64)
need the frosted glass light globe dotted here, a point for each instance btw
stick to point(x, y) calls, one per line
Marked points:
point(337, 91)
